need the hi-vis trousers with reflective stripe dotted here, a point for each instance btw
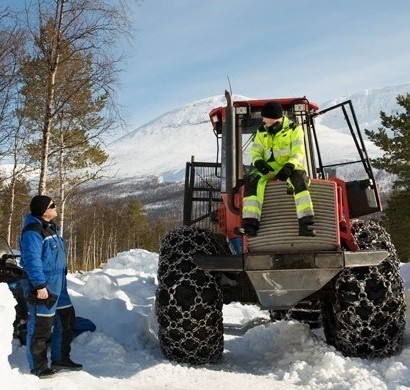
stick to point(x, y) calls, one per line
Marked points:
point(255, 185)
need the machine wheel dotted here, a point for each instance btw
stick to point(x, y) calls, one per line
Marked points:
point(188, 300)
point(366, 317)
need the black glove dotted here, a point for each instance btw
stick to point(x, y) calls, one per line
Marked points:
point(263, 167)
point(49, 302)
point(285, 172)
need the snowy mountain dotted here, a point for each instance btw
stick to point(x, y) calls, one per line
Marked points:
point(163, 146)
point(368, 105)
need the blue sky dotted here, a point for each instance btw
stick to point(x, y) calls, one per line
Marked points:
point(185, 50)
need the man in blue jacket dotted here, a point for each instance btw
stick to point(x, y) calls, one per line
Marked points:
point(43, 257)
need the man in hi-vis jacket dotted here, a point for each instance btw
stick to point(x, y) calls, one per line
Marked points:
point(277, 152)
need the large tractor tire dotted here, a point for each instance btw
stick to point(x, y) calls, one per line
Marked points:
point(188, 300)
point(366, 317)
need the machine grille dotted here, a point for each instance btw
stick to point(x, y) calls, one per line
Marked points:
point(279, 227)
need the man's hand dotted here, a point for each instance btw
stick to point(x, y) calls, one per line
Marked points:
point(285, 172)
point(42, 293)
point(42, 297)
point(263, 167)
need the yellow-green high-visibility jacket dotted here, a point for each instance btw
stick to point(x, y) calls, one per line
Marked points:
point(287, 146)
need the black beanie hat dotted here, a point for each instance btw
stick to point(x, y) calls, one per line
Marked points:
point(39, 204)
point(272, 110)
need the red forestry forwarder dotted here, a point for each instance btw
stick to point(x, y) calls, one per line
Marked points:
point(345, 279)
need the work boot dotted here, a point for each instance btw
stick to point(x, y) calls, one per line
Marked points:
point(249, 230)
point(306, 226)
point(66, 364)
point(20, 332)
point(250, 226)
point(44, 373)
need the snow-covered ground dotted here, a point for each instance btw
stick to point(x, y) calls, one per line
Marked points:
point(123, 352)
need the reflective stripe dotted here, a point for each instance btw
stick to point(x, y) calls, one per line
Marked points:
point(297, 143)
point(305, 213)
point(250, 214)
point(296, 158)
point(257, 146)
point(50, 237)
point(304, 205)
point(246, 213)
point(302, 197)
point(252, 208)
point(63, 307)
point(257, 152)
point(248, 202)
point(281, 152)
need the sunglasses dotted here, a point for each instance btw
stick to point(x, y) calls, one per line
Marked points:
point(52, 206)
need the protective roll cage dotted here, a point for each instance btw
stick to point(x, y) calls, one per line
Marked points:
point(353, 125)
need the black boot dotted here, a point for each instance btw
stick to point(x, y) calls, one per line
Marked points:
point(66, 364)
point(45, 373)
point(306, 226)
point(20, 332)
point(250, 226)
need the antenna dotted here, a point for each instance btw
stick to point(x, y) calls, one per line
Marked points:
point(230, 87)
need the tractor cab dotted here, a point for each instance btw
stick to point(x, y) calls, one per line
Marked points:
point(246, 119)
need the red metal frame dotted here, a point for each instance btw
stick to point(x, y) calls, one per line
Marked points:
point(228, 220)
point(346, 235)
point(220, 112)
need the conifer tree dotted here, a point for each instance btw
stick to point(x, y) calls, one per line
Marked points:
point(393, 138)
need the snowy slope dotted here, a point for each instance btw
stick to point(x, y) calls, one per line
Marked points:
point(163, 146)
point(369, 103)
point(123, 352)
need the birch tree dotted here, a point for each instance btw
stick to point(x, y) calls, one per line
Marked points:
point(74, 151)
point(91, 28)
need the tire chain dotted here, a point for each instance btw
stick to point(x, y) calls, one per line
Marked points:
point(307, 312)
point(189, 300)
point(373, 308)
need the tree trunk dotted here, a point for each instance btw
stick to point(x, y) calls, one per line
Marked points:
point(11, 209)
point(54, 60)
point(62, 184)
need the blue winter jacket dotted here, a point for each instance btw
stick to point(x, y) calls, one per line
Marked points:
point(43, 254)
